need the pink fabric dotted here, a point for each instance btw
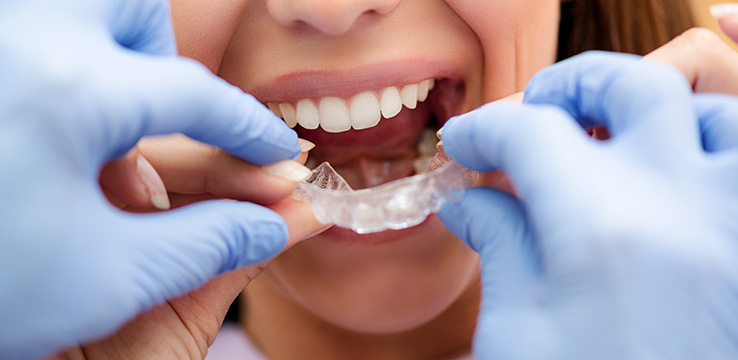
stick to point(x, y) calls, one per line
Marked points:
point(233, 343)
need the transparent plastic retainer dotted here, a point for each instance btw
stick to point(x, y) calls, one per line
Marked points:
point(396, 205)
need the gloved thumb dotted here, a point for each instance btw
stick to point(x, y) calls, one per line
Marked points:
point(181, 250)
point(493, 223)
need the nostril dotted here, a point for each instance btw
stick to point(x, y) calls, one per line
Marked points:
point(332, 17)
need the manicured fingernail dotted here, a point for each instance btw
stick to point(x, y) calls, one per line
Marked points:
point(439, 133)
point(720, 10)
point(153, 184)
point(305, 145)
point(288, 169)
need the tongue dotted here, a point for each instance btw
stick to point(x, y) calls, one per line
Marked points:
point(371, 157)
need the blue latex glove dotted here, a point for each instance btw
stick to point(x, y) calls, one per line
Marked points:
point(80, 82)
point(623, 249)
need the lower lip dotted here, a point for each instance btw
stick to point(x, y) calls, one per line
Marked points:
point(384, 237)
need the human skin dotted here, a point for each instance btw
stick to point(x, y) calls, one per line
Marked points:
point(368, 291)
point(164, 333)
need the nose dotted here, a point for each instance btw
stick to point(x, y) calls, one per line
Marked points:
point(332, 17)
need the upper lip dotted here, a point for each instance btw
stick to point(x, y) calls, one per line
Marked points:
point(303, 84)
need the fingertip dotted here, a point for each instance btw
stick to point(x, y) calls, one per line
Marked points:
point(220, 235)
point(482, 216)
point(300, 220)
point(729, 24)
point(461, 135)
point(132, 180)
point(475, 139)
point(256, 135)
point(719, 11)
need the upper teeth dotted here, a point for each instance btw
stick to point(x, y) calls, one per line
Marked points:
point(362, 111)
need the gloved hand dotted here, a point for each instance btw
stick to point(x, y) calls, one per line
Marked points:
point(622, 249)
point(80, 82)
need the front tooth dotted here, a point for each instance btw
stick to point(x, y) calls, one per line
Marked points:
point(334, 115)
point(365, 111)
point(409, 96)
point(390, 104)
point(423, 89)
point(307, 114)
point(275, 109)
point(290, 116)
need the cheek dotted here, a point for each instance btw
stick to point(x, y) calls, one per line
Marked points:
point(519, 38)
point(203, 28)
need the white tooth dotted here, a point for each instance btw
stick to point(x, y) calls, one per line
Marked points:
point(390, 104)
point(365, 111)
point(409, 96)
point(334, 115)
point(290, 116)
point(307, 114)
point(275, 109)
point(431, 84)
point(423, 89)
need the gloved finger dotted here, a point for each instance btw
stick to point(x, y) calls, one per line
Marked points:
point(708, 63)
point(153, 96)
point(190, 167)
point(143, 25)
point(493, 223)
point(219, 293)
point(525, 141)
point(180, 250)
point(727, 16)
point(623, 93)
point(718, 122)
point(132, 180)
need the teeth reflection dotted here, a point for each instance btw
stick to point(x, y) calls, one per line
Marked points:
point(395, 205)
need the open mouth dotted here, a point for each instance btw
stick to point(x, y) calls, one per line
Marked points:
point(376, 135)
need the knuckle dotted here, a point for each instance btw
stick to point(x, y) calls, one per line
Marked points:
point(701, 42)
point(700, 38)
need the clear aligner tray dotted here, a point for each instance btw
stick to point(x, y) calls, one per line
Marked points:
point(395, 205)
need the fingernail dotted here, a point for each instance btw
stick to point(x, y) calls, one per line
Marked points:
point(305, 145)
point(439, 146)
point(720, 10)
point(288, 169)
point(153, 184)
point(439, 133)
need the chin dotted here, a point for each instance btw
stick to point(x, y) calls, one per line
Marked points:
point(377, 286)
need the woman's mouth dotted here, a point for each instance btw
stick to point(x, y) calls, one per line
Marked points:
point(375, 135)
point(362, 111)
